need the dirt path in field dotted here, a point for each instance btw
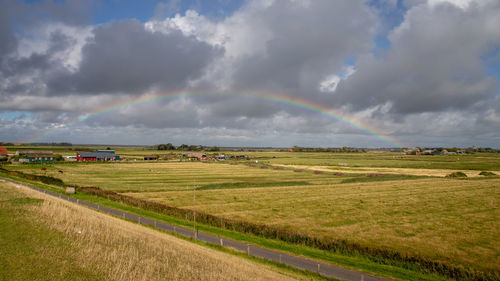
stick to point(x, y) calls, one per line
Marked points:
point(372, 170)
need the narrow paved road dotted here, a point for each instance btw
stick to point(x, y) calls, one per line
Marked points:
point(294, 261)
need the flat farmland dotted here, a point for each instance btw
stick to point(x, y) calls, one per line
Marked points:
point(175, 175)
point(479, 161)
point(449, 220)
point(376, 170)
point(455, 221)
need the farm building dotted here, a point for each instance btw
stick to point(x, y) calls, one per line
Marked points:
point(150, 158)
point(69, 158)
point(106, 151)
point(3, 152)
point(97, 155)
point(39, 157)
point(36, 156)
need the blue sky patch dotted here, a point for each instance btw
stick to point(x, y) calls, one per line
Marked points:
point(11, 115)
point(147, 9)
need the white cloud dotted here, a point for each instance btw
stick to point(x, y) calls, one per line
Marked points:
point(38, 40)
point(332, 81)
point(464, 4)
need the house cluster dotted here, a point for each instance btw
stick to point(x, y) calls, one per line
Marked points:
point(200, 156)
point(37, 156)
point(97, 155)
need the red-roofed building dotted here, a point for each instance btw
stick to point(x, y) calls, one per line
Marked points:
point(3, 152)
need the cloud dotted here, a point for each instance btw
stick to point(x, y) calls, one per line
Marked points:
point(124, 57)
point(297, 44)
point(438, 68)
point(434, 63)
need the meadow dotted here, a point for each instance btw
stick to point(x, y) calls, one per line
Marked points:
point(142, 177)
point(379, 200)
point(44, 238)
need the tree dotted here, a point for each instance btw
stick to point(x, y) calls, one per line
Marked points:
point(183, 147)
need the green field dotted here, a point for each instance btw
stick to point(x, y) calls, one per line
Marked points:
point(480, 161)
point(174, 176)
point(453, 221)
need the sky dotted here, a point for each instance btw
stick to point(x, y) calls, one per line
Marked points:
point(315, 73)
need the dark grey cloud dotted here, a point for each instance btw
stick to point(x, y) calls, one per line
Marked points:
point(304, 42)
point(8, 42)
point(125, 57)
point(25, 74)
point(24, 16)
point(435, 62)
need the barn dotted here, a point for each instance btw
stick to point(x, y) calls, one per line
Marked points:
point(97, 155)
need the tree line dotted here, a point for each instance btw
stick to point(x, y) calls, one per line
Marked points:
point(185, 147)
point(325, 149)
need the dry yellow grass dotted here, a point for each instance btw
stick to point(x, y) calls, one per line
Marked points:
point(455, 221)
point(126, 251)
point(395, 171)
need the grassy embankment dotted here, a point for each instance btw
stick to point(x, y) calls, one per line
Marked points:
point(43, 238)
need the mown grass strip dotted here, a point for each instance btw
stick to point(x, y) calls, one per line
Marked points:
point(250, 185)
point(381, 177)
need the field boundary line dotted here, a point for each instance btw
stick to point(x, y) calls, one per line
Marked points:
point(321, 268)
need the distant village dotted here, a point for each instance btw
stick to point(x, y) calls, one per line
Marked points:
point(107, 155)
point(200, 153)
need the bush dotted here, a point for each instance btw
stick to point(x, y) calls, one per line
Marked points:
point(457, 175)
point(44, 179)
point(487, 174)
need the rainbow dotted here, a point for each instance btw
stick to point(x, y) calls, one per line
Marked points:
point(274, 98)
